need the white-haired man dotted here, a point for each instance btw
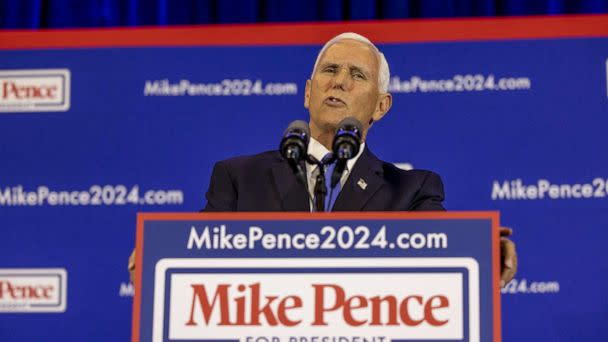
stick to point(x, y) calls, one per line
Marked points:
point(349, 78)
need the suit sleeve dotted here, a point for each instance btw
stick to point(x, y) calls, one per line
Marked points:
point(222, 193)
point(430, 196)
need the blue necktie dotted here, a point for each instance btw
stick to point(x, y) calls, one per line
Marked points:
point(332, 194)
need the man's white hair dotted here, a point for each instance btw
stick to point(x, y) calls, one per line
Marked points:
point(383, 71)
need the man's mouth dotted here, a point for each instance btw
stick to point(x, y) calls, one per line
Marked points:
point(334, 102)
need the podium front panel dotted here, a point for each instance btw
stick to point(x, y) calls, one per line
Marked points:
point(322, 277)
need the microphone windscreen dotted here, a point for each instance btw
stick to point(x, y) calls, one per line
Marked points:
point(349, 123)
point(301, 126)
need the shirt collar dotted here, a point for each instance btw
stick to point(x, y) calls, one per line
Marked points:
point(317, 150)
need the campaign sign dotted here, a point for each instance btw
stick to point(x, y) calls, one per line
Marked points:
point(36, 90)
point(28, 290)
point(317, 277)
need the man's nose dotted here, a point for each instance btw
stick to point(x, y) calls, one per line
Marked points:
point(342, 79)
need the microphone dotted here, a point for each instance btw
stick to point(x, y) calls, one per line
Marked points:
point(294, 145)
point(346, 145)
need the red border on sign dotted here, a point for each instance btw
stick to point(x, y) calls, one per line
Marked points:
point(494, 216)
point(386, 31)
point(139, 247)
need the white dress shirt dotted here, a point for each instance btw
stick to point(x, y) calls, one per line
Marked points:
point(317, 150)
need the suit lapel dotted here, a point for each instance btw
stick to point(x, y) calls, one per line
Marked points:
point(363, 182)
point(292, 194)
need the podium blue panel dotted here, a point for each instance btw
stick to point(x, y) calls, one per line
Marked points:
point(182, 258)
point(513, 125)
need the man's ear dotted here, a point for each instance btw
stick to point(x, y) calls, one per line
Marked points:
point(384, 105)
point(307, 94)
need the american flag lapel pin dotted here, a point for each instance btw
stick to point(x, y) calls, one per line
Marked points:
point(362, 184)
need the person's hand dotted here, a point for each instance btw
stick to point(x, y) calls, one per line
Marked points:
point(131, 266)
point(508, 257)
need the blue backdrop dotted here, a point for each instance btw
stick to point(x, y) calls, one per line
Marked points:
point(500, 121)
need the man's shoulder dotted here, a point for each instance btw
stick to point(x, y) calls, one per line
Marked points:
point(411, 179)
point(253, 160)
point(392, 171)
point(414, 189)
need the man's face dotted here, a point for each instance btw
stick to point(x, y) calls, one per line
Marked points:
point(345, 84)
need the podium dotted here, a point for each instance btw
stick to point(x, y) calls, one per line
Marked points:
point(317, 277)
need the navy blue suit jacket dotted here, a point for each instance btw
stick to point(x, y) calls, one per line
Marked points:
point(264, 182)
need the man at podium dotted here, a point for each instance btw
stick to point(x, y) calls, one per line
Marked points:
point(349, 79)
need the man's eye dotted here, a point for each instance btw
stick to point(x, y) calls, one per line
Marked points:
point(330, 69)
point(359, 76)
